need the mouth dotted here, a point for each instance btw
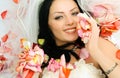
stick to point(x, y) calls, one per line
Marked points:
point(70, 30)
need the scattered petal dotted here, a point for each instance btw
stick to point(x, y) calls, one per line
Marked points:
point(3, 14)
point(118, 54)
point(41, 41)
point(5, 37)
point(16, 1)
point(29, 74)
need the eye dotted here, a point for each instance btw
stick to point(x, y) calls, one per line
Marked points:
point(58, 17)
point(75, 13)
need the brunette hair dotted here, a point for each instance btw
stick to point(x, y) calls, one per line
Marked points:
point(50, 48)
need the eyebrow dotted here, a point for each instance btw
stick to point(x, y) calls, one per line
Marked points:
point(74, 8)
point(63, 12)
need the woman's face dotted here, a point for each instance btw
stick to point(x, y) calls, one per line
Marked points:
point(63, 20)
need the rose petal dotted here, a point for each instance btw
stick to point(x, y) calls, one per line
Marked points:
point(16, 1)
point(3, 14)
point(5, 37)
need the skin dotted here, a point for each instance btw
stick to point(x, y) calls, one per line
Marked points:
point(63, 21)
point(103, 51)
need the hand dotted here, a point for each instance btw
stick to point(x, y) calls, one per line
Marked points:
point(89, 32)
point(92, 44)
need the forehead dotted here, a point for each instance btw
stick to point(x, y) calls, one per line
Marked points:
point(61, 5)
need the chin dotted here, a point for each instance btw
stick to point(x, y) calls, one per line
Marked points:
point(72, 39)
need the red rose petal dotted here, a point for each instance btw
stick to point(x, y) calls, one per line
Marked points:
point(4, 38)
point(29, 74)
point(3, 14)
point(118, 54)
point(16, 1)
point(117, 24)
point(2, 58)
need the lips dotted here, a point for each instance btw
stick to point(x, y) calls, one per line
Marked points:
point(70, 30)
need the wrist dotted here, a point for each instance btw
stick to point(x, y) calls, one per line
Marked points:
point(111, 69)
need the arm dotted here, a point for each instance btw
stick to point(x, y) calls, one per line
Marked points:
point(99, 52)
point(106, 63)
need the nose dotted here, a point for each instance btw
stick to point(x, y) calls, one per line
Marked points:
point(69, 21)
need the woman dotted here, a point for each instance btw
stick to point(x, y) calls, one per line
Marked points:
point(56, 40)
point(58, 27)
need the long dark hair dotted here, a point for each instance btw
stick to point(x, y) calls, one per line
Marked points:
point(50, 48)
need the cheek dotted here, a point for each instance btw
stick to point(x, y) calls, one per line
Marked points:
point(55, 28)
point(76, 18)
point(57, 32)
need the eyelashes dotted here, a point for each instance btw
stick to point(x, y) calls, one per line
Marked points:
point(58, 17)
point(62, 16)
point(75, 13)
